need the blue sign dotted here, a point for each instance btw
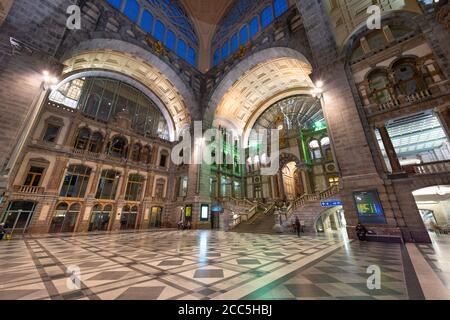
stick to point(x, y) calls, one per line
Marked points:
point(334, 203)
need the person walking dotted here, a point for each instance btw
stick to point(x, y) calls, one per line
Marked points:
point(298, 227)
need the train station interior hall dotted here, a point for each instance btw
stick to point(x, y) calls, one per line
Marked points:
point(224, 150)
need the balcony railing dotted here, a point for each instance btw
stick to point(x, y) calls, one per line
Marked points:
point(28, 189)
point(432, 92)
point(428, 168)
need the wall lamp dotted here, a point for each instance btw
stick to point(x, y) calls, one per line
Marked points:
point(317, 92)
point(49, 80)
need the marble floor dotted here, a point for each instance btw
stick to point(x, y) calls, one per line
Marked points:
point(204, 265)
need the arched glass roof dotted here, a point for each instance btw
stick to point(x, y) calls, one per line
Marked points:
point(294, 113)
point(166, 21)
point(173, 12)
point(242, 22)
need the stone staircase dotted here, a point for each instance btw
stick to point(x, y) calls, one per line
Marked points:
point(308, 209)
point(262, 222)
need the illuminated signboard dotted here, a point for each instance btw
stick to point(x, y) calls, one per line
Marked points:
point(204, 212)
point(333, 203)
point(368, 206)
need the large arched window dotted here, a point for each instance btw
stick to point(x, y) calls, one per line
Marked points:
point(100, 218)
point(95, 143)
point(147, 21)
point(280, 6)
point(234, 43)
point(225, 51)
point(82, 140)
point(407, 77)
point(118, 147)
point(192, 56)
point(104, 99)
point(160, 31)
point(266, 16)
point(115, 3)
point(240, 22)
point(65, 218)
point(169, 15)
point(380, 87)
point(181, 49)
point(254, 26)
point(314, 147)
point(131, 10)
point(170, 40)
point(243, 35)
point(216, 57)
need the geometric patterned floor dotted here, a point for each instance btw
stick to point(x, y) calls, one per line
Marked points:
point(200, 265)
point(343, 276)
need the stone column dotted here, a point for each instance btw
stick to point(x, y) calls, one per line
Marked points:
point(444, 118)
point(71, 134)
point(390, 150)
point(57, 175)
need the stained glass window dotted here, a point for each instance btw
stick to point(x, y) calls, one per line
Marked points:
point(234, 43)
point(281, 7)
point(115, 3)
point(225, 51)
point(266, 16)
point(174, 13)
point(131, 10)
point(181, 48)
point(243, 35)
point(147, 21)
point(170, 40)
point(241, 25)
point(254, 27)
point(160, 30)
point(192, 57)
point(171, 18)
point(216, 58)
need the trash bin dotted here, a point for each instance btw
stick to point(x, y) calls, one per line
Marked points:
point(1, 236)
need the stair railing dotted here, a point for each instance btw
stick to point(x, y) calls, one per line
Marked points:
point(300, 202)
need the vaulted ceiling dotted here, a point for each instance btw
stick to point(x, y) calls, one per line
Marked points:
point(206, 14)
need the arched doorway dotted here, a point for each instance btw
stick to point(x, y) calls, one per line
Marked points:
point(289, 172)
point(434, 207)
point(331, 220)
point(18, 216)
point(100, 218)
point(128, 218)
point(65, 218)
point(156, 218)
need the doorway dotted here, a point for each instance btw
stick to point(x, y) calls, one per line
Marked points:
point(434, 207)
point(100, 218)
point(156, 217)
point(65, 218)
point(18, 216)
point(128, 218)
point(289, 181)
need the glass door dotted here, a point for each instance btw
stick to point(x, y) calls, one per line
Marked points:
point(156, 217)
point(18, 216)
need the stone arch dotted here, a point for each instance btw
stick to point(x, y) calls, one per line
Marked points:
point(140, 65)
point(256, 79)
point(286, 158)
point(392, 18)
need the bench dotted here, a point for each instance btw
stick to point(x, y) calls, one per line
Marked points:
point(384, 238)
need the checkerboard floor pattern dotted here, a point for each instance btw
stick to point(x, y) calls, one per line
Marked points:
point(196, 265)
